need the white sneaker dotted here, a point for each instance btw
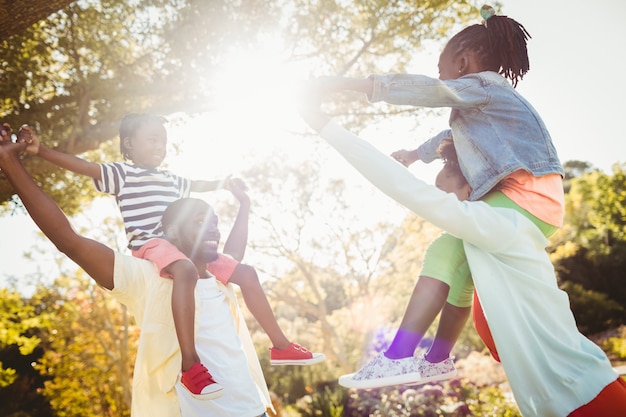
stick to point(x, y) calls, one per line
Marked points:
point(432, 372)
point(382, 372)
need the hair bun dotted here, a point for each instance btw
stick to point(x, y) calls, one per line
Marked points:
point(487, 11)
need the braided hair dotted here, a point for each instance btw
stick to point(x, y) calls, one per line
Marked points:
point(499, 43)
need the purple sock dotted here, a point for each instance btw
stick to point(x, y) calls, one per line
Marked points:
point(404, 344)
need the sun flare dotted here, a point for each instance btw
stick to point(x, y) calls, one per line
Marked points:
point(252, 113)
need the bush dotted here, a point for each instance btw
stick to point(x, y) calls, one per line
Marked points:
point(455, 398)
point(615, 346)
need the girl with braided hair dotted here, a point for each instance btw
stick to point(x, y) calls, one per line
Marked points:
point(507, 156)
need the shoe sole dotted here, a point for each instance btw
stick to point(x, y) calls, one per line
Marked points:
point(435, 378)
point(347, 381)
point(208, 395)
point(317, 358)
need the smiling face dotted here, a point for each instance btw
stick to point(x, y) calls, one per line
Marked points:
point(146, 146)
point(192, 226)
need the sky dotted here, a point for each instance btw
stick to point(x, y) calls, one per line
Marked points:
point(577, 59)
point(575, 82)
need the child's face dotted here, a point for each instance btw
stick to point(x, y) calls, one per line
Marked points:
point(448, 67)
point(451, 180)
point(147, 146)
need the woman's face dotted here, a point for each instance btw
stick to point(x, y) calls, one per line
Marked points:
point(451, 180)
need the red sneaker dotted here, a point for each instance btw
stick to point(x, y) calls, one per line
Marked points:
point(200, 383)
point(294, 354)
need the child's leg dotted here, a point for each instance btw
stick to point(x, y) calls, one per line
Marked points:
point(427, 300)
point(444, 265)
point(451, 324)
point(185, 276)
point(284, 352)
point(247, 279)
point(172, 263)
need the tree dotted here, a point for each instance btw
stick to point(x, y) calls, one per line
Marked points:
point(21, 324)
point(16, 16)
point(17, 321)
point(90, 351)
point(590, 251)
point(75, 74)
point(337, 285)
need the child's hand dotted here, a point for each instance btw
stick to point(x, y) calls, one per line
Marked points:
point(238, 188)
point(5, 133)
point(405, 157)
point(27, 135)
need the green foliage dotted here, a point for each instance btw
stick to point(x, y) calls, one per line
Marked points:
point(18, 320)
point(590, 251)
point(90, 351)
point(594, 311)
point(325, 401)
point(615, 346)
point(22, 327)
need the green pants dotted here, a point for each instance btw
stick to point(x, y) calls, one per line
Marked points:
point(445, 257)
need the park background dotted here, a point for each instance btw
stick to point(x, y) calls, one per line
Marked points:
point(338, 259)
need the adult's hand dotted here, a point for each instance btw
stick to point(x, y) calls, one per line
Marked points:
point(27, 134)
point(5, 133)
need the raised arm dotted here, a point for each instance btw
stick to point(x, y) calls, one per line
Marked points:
point(63, 160)
point(237, 240)
point(95, 258)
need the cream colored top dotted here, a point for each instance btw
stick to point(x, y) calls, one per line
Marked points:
point(148, 298)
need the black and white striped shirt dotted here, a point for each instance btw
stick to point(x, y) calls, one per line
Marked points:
point(142, 196)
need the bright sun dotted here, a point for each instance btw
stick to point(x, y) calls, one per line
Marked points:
point(253, 113)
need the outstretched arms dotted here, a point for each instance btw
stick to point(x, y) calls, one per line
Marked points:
point(95, 258)
point(63, 160)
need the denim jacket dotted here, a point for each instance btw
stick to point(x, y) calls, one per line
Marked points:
point(495, 130)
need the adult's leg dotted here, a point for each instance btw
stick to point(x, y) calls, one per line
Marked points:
point(610, 402)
